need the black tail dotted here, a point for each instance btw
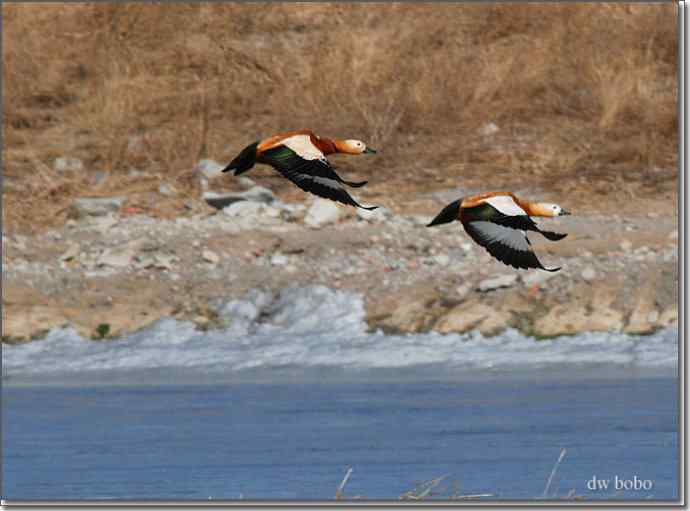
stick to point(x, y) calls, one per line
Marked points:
point(243, 161)
point(447, 214)
point(552, 236)
point(355, 184)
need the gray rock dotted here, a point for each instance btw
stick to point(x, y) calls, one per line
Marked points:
point(488, 129)
point(97, 206)
point(99, 176)
point(377, 215)
point(279, 260)
point(254, 214)
point(462, 291)
point(210, 168)
point(72, 252)
point(165, 261)
point(589, 274)
point(167, 190)
point(66, 164)
point(533, 278)
point(210, 256)
point(245, 182)
point(255, 194)
point(116, 258)
point(441, 259)
point(144, 261)
point(322, 212)
point(497, 282)
point(135, 173)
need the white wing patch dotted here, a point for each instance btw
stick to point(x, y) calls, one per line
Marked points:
point(303, 146)
point(506, 205)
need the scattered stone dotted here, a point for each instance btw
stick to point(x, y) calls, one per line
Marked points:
point(165, 261)
point(462, 291)
point(673, 235)
point(210, 168)
point(135, 172)
point(90, 207)
point(72, 252)
point(99, 176)
point(322, 212)
point(279, 260)
point(210, 256)
point(66, 164)
point(293, 212)
point(136, 144)
point(255, 194)
point(243, 209)
point(488, 129)
point(116, 258)
point(102, 223)
point(380, 214)
point(625, 245)
point(589, 274)
point(245, 182)
point(536, 278)
point(19, 242)
point(167, 190)
point(144, 261)
point(441, 259)
point(497, 282)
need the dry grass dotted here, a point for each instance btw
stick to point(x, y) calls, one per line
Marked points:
point(584, 95)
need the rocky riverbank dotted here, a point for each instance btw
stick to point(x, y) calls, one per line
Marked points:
point(110, 271)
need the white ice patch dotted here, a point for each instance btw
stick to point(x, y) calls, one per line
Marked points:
point(317, 327)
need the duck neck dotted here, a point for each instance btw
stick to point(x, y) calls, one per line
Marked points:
point(326, 145)
point(537, 209)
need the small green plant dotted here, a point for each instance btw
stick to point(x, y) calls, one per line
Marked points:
point(102, 330)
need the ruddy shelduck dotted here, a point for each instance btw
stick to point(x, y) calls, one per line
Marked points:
point(498, 221)
point(300, 156)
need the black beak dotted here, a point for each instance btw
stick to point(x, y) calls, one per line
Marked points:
point(447, 214)
point(564, 212)
point(369, 150)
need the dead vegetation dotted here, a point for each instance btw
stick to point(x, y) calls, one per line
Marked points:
point(440, 488)
point(584, 95)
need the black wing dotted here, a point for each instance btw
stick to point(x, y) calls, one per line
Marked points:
point(508, 245)
point(487, 212)
point(314, 176)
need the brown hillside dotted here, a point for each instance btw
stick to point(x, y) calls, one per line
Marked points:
point(584, 97)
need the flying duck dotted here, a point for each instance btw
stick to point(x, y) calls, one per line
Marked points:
point(498, 221)
point(300, 156)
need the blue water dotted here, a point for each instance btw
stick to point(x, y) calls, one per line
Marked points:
point(296, 440)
